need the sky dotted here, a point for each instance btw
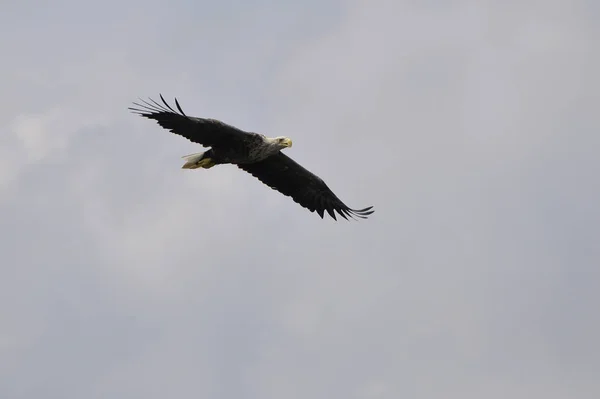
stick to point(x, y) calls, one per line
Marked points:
point(470, 126)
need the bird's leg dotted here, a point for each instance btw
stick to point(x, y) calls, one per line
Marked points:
point(206, 163)
point(200, 160)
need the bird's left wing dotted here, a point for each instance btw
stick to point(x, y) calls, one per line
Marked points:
point(206, 132)
point(285, 175)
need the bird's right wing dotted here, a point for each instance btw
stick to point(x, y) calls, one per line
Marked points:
point(285, 175)
point(206, 132)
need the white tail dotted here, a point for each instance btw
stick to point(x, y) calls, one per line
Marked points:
point(191, 161)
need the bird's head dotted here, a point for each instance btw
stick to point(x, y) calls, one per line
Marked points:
point(283, 142)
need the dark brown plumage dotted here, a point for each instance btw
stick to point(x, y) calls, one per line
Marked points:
point(252, 152)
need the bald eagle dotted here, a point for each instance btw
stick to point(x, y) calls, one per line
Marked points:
point(252, 152)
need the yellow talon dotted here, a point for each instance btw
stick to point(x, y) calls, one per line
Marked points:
point(206, 163)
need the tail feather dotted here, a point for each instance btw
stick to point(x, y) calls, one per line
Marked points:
point(192, 160)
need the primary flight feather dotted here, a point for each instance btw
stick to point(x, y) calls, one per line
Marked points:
point(252, 152)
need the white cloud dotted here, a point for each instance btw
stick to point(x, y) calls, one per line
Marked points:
point(470, 127)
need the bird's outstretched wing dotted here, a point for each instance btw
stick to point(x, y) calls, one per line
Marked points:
point(285, 175)
point(206, 132)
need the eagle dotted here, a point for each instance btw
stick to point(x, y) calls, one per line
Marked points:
point(254, 153)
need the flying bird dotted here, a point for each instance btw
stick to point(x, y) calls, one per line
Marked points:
point(254, 153)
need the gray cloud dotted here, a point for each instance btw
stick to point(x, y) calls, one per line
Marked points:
point(470, 127)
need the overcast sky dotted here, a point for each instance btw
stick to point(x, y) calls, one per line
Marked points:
point(471, 126)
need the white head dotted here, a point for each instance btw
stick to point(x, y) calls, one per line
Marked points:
point(281, 142)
